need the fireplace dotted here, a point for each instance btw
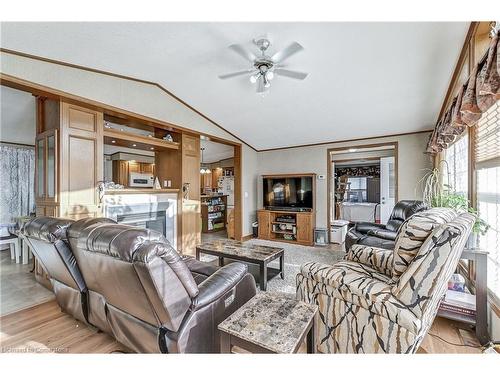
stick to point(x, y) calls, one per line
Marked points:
point(152, 211)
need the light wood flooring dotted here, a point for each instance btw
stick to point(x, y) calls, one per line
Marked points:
point(18, 287)
point(45, 329)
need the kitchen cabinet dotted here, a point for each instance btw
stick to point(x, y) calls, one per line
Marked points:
point(122, 168)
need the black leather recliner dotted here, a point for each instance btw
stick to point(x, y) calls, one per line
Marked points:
point(138, 288)
point(380, 235)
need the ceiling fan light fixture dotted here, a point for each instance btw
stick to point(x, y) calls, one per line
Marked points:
point(265, 67)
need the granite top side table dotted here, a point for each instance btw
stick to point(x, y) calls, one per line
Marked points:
point(270, 323)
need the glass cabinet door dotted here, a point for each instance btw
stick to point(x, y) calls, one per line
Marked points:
point(51, 165)
point(40, 167)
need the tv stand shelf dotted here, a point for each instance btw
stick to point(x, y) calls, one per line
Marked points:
point(299, 231)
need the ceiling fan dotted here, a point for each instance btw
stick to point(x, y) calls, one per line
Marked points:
point(264, 67)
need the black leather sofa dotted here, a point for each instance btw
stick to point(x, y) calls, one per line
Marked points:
point(380, 235)
point(130, 283)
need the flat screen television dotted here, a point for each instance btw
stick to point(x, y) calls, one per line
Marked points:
point(288, 192)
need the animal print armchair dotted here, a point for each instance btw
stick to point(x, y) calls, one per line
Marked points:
point(384, 301)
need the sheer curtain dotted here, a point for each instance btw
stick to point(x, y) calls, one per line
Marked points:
point(17, 172)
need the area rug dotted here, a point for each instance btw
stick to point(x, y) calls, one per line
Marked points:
point(295, 256)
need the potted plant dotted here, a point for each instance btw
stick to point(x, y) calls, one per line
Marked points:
point(437, 193)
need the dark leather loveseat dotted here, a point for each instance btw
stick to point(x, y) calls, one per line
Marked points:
point(380, 235)
point(130, 283)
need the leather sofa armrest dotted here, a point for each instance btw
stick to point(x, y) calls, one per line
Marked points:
point(384, 234)
point(365, 227)
point(218, 284)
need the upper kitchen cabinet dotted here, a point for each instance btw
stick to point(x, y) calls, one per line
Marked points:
point(69, 159)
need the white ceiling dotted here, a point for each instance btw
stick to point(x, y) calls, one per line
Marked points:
point(365, 79)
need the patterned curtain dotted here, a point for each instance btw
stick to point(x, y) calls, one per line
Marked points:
point(17, 171)
point(479, 93)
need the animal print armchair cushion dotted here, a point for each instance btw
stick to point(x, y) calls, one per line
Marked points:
point(379, 259)
point(412, 234)
point(361, 308)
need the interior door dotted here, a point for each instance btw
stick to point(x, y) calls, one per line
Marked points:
point(387, 187)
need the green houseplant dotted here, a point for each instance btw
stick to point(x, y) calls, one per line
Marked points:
point(436, 193)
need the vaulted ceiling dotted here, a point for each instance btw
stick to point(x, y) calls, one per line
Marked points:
point(365, 79)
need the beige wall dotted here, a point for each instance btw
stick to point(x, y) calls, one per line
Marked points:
point(132, 96)
point(313, 159)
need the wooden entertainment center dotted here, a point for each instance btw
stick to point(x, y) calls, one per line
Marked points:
point(293, 225)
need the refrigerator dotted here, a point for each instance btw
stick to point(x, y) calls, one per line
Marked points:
point(226, 187)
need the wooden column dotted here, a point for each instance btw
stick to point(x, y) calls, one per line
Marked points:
point(81, 161)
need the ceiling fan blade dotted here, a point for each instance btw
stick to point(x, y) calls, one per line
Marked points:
point(261, 86)
point(287, 52)
point(235, 74)
point(240, 50)
point(290, 73)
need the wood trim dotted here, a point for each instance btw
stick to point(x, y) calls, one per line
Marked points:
point(36, 89)
point(81, 67)
point(238, 204)
point(458, 67)
point(329, 173)
point(16, 144)
point(125, 136)
point(346, 140)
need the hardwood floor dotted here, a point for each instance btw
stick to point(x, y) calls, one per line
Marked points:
point(45, 329)
point(18, 287)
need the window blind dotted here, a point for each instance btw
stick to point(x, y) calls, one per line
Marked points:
point(487, 160)
point(487, 138)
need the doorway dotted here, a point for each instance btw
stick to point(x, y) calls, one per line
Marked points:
point(217, 189)
point(362, 183)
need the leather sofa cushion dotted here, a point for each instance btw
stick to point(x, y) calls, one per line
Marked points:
point(384, 234)
point(413, 234)
point(365, 227)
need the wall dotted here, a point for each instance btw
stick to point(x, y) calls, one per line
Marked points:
point(250, 177)
point(132, 96)
point(18, 116)
point(313, 159)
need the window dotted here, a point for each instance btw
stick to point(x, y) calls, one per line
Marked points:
point(487, 160)
point(456, 172)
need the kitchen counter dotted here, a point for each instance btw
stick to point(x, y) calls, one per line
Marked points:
point(140, 191)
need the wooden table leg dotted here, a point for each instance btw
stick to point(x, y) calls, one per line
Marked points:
point(263, 276)
point(282, 266)
point(197, 254)
point(225, 343)
point(311, 338)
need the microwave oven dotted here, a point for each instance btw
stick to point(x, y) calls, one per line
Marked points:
point(145, 180)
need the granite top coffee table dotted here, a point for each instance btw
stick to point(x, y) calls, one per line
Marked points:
point(270, 323)
point(251, 253)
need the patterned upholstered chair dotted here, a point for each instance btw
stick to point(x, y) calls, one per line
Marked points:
point(384, 301)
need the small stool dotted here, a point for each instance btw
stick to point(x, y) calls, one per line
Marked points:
point(13, 242)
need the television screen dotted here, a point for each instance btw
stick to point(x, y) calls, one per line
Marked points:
point(291, 192)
